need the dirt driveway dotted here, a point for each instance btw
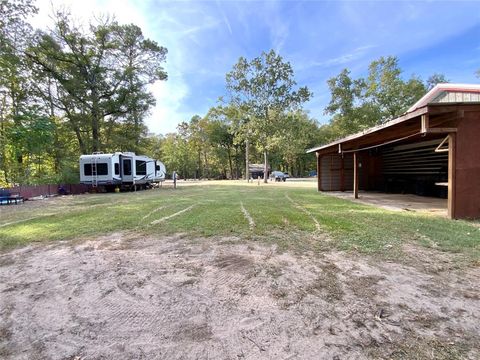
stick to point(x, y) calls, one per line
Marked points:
point(171, 298)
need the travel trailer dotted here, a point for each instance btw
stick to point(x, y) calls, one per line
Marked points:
point(120, 170)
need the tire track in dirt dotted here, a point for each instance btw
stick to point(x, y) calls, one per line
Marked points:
point(248, 301)
point(150, 214)
point(305, 211)
point(173, 215)
point(247, 215)
point(63, 212)
point(229, 272)
point(24, 220)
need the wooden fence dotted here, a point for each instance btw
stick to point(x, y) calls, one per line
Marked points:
point(30, 191)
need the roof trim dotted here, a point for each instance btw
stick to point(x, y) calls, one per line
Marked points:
point(419, 108)
point(405, 117)
point(437, 89)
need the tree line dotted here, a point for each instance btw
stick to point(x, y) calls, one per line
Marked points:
point(76, 89)
point(70, 90)
point(261, 118)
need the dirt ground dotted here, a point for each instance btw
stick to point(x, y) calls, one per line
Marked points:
point(118, 297)
point(397, 202)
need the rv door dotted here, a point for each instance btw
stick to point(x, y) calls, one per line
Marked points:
point(127, 169)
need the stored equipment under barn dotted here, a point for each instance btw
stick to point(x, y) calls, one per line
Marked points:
point(432, 150)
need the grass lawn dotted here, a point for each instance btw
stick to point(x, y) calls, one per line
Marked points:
point(296, 218)
point(225, 270)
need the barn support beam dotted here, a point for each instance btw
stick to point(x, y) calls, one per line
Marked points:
point(452, 138)
point(441, 130)
point(355, 175)
point(319, 174)
point(424, 123)
point(342, 174)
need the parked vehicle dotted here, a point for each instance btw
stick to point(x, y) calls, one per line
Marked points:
point(278, 176)
point(120, 170)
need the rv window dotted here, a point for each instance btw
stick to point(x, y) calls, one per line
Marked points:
point(101, 169)
point(127, 167)
point(117, 169)
point(141, 167)
point(157, 167)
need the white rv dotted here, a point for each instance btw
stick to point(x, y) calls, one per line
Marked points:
point(120, 169)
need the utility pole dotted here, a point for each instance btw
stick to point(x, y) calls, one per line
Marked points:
point(247, 170)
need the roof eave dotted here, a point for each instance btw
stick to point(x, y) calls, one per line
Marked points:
point(405, 117)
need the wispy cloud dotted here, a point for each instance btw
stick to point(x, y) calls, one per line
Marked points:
point(355, 54)
point(225, 18)
point(199, 28)
point(206, 38)
point(170, 109)
point(84, 11)
point(278, 25)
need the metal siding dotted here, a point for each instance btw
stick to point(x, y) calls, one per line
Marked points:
point(467, 167)
point(456, 97)
point(335, 173)
point(331, 172)
point(416, 159)
point(348, 171)
point(440, 98)
point(325, 172)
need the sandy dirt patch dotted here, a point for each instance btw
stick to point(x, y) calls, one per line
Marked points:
point(397, 202)
point(171, 298)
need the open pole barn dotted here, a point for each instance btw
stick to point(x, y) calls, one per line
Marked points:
point(432, 150)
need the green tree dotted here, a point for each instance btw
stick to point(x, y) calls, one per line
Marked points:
point(357, 104)
point(239, 127)
point(299, 132)
point(350, 110)
point(436, 79)
point(15, 83)
point(31, 137)
point(99, 75)
point(265, 88)
point(388, 92)
point(197, 133)
point(221, 137)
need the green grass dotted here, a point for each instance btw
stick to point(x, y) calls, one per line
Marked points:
point(217, 211)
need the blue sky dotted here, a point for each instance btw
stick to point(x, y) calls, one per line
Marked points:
point(319, 38)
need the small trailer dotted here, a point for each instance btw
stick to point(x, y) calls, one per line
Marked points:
point(124, 170)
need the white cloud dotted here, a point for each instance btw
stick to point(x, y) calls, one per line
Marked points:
point(123, 10)
point(205, 38)
point(345, 58)
point(225, 18)
point(277, 24)
point(168, 112)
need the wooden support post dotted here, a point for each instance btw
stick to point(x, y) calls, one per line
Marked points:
point(330, 159)
point(452, 138)
point(319, 173)
point(342, 174)
point(424, 123)
point(355, 175)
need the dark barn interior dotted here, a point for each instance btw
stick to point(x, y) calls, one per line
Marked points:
point(412, 168)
